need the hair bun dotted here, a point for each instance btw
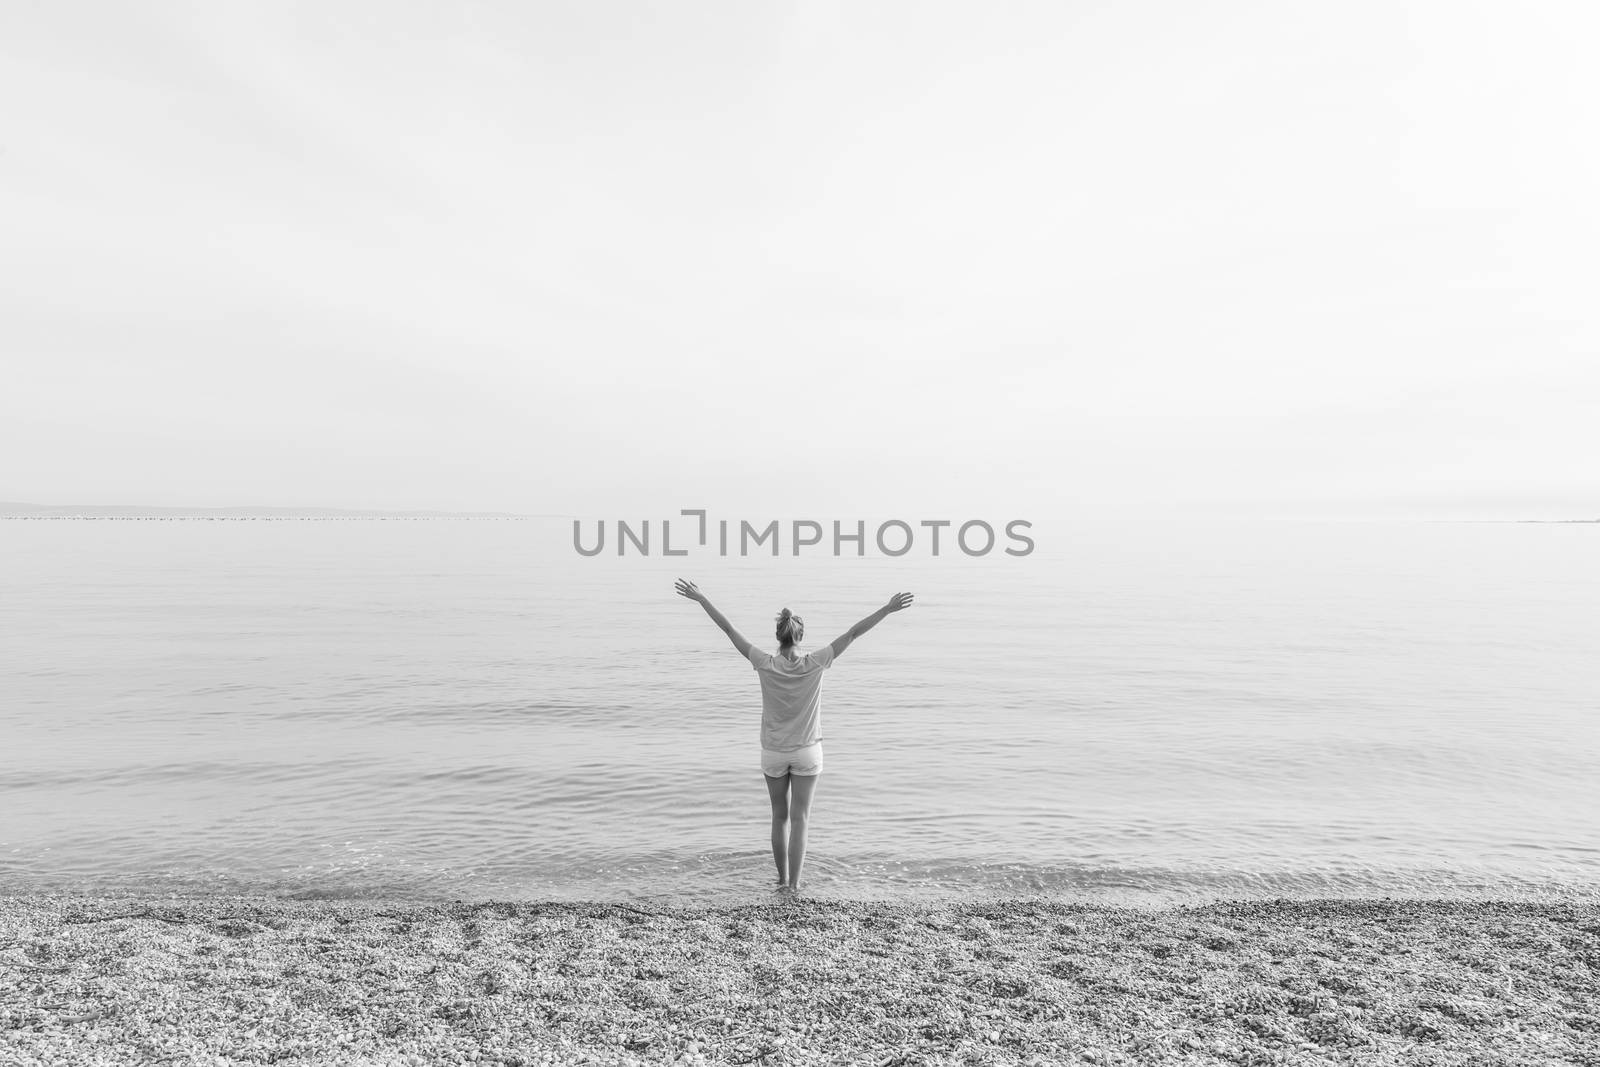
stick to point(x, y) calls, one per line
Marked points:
point(790, 628)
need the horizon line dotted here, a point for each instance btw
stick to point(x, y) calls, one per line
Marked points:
point(25, 510)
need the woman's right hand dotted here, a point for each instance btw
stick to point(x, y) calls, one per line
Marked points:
point(687, 588)
point(900, 601)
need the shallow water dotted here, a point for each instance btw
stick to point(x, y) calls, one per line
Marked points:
point(1135, 712)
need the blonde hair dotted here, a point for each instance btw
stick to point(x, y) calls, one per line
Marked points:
point(791, 628)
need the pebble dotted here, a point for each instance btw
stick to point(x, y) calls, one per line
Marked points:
point(557, 1018)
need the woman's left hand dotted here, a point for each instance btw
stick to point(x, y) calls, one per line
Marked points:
point(688, 589)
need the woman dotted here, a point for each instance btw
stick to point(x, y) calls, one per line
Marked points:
point(791, 720)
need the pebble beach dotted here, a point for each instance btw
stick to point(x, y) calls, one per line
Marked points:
point(225, 980)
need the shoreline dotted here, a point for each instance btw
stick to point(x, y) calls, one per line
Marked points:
point(98, 978)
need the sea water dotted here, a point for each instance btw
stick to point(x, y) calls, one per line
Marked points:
point(1134, 712)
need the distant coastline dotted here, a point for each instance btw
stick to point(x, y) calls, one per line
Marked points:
point(11, 509)
point(16, 510)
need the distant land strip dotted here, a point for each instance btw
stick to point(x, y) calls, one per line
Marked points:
point(14, 510)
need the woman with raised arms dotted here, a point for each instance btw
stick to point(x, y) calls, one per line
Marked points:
point(791, 720)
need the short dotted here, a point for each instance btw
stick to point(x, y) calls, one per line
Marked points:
point(802, 761)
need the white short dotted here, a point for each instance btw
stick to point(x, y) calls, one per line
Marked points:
point(802, 761)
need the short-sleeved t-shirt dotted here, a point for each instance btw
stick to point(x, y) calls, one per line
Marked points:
point(791, 698)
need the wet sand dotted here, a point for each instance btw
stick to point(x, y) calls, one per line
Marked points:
point(217, 980)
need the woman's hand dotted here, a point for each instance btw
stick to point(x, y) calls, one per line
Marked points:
point(688, 589)
point(899, 602)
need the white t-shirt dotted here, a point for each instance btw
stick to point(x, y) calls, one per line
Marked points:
point(791, 698)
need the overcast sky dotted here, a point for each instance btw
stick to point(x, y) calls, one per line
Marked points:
point(921, 259)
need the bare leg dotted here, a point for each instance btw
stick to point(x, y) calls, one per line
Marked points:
point(778, 793)
point(801, 788)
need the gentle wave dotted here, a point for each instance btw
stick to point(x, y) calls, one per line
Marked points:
point(454, 709)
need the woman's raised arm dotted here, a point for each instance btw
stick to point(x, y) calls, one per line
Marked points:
point(688, 589)
point(898, 602)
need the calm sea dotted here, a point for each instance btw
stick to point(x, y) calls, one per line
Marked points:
point(469, 709)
